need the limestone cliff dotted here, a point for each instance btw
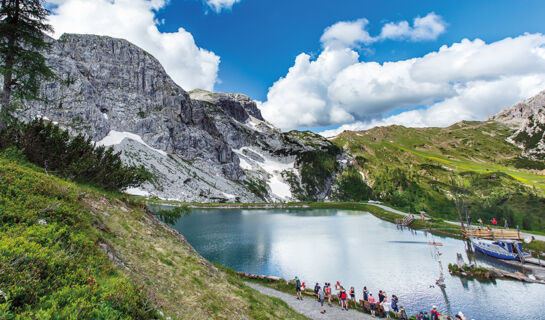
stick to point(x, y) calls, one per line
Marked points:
point(201, 146)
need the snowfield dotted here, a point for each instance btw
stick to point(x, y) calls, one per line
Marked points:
point(116, 137)
point(273, 167)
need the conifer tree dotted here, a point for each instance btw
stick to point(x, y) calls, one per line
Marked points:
point(23, 24)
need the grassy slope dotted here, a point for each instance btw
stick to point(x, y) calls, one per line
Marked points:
point(475, 154)
point(46, 268)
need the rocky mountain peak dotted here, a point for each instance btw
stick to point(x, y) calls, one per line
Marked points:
point(203, 146)
point(527, 118)
point(237, 105)
point(516, 115)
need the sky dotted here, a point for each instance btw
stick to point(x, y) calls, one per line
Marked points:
point(335, 65)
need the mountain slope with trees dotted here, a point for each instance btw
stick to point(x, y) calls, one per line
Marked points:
point(418, 169)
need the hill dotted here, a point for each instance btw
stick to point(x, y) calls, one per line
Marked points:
point(414, 168)
point(68, 250)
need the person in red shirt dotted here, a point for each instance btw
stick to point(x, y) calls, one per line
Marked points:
point(494, 222)
point(434, 314)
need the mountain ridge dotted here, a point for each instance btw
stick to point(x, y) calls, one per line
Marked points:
point(192, 142)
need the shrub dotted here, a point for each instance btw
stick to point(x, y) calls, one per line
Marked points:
point(50, 265)
point(76, 158)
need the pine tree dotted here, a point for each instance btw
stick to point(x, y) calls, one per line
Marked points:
point(22, 29)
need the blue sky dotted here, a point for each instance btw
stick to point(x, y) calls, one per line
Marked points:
point(337, 65)
point(258, 40)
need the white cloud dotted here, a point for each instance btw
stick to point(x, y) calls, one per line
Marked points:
point(219, 5)
point(188, 65)
point(347, 34)
point(351, 34)
point(428, 27)
point(468, 80)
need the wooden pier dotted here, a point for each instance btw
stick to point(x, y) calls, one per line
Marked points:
point(406, 221)
point(492, 234)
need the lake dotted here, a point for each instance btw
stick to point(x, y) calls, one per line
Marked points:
point(357, 249)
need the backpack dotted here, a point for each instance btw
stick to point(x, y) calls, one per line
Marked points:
point(434, 315)
point(343, 295)
point(298, 283)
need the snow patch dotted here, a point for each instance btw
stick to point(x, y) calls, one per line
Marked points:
point(116, 137)
point(228, 195)
point(137, 192)
point(273, 167)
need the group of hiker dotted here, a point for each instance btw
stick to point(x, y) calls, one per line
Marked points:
point(347, 299)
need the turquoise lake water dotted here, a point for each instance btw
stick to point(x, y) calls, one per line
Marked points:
point(357, 249)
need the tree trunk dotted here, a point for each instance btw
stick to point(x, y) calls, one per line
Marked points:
point(5, 99)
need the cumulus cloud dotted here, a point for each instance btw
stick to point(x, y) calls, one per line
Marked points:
point(428, 27)
point(188, 65)
point(219, 5)
point(468, 80)
point(352, 34)
point(347, 34)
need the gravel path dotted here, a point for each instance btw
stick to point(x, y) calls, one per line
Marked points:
point(309, 307)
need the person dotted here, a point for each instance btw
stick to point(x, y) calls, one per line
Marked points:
point(494, 222)
point(303, 287)
point(298, 288)
point(434, 313)
point(328, 292)
point(480, 222)
point(461, 315)
point(386, 308)
point(469, 221)
point(316, 288)
point(381, 296)
point(426, 316)
point(338, 291)
point(394, 305)
point(420, 316)
point(365, 294)
point(403, 313)
point(353, 296)
point(372, 304)
point(505, 224)
point(344, 305)
point(321, 298)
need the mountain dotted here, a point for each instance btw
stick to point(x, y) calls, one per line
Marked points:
point(528, 119)
point(414, 168)
point(199, 146)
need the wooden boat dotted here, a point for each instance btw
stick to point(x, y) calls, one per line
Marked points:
point(505, 249)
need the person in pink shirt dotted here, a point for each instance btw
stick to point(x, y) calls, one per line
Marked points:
point(372, 304)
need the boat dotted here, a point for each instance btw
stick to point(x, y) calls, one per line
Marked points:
point(505, 249)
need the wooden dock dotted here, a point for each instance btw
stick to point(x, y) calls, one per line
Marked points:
point(406, 221)
point(493, 234)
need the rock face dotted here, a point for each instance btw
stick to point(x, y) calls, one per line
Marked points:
point(528, 119)
point(201, 146)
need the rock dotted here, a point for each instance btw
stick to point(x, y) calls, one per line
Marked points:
point(200, 146)
point(527, 118)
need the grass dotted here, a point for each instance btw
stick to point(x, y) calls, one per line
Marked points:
point(139, 266)
point(415, 169)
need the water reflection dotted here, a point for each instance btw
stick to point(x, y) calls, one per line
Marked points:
point(356, 249)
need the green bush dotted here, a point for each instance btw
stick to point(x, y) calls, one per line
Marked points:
point(76, 158)
point(50, 264)
point(351, 187)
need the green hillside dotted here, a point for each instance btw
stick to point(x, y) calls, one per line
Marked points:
point(416, 169)
point(68, 251)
